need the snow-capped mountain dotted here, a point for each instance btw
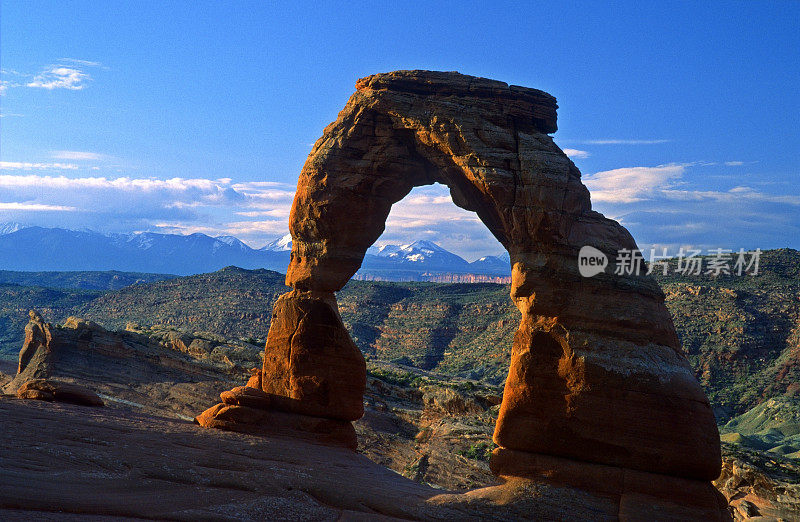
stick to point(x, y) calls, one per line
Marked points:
point(279, 245)
point(421, 254)
point(232, 241)
point(57, 249)
point(38, 249)
point(8, 228)
point(384, 251)
point(499, 265)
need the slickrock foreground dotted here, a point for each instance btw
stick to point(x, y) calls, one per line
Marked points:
point(65, 462)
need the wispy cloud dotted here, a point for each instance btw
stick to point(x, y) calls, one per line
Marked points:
point(575, 153)
point(611, 141)
point(125, 203)
point(60, 77)
point(666, 205)
point(632, 184)
point(24, 165)
point(637, 184)
point(67, 73)
point(736, 194)
point(5, 83)
point(85, 63)
point(76, 155)
point(123, 183)
point(277, 212)
point(427, 197)
point(36, 207)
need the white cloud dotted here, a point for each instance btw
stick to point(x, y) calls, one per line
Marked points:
point(575, 153)
point(76, 155)
point(5, 83)
point(632, 184)
point(67, 73)
point(23, 165)
point(663, 205)
point(260, 185)
point(623, 142)
point(425, 199)
point(270, 195)
point(60, 77)
point(637, 184)
point(123, 183)
point(736, 194)
point(247, 229)
point(33, 207)
point(734, 163)
point(122, 204)
point(278, 212)
point(85, 63)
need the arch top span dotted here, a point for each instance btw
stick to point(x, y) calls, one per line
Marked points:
point(484, 139)
point(531, 109)
point(597, 373)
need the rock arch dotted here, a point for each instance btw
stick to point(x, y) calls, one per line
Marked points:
point(597, 372)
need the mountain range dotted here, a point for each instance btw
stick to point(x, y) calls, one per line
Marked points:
point(25, 248)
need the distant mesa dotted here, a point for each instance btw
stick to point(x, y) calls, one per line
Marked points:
point(599, 395)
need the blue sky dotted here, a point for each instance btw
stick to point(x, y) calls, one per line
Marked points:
point(198, 116)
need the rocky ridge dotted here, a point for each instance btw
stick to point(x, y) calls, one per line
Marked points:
point(155, 370)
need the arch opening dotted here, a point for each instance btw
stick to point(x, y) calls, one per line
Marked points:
point(464, 330)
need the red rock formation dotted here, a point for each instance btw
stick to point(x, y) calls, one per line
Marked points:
point(49, 390)
point(246, 396)
point(271, 423)
point(597, 372)
point(37, 342)
point(312, 383)
point(312, 365)
point(255, 378)
point(251, 410)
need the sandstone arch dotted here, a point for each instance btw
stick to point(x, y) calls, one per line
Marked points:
point(597, 372)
